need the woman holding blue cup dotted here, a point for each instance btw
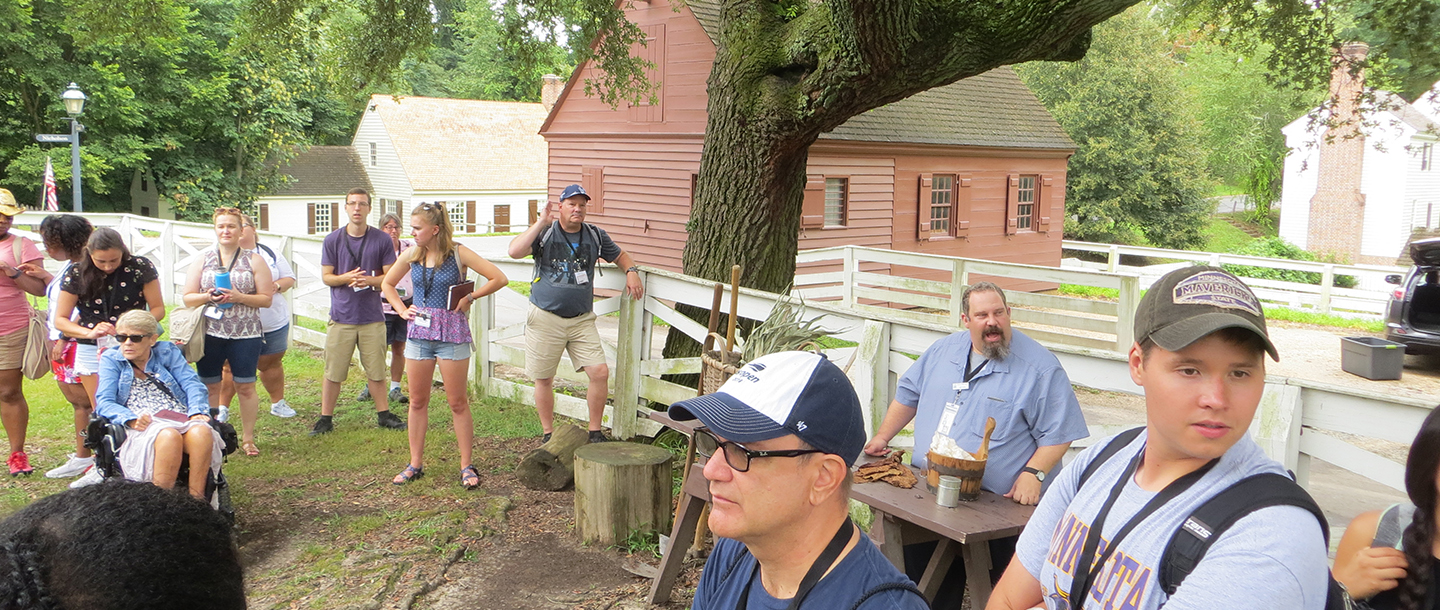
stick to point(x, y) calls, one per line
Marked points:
point(232, 285)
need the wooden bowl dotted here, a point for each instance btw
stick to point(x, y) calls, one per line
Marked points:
point(970, 473)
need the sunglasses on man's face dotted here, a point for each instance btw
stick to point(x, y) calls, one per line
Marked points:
point(736, 455)
point(131, 338)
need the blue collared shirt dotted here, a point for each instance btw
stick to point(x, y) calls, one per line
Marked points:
point(1028, 394)
point(167, 363)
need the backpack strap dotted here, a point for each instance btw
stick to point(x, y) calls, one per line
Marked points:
point(1120, 441)
point(1211, 519)
point(267, 250)
point(889, 586)
point(1391, 528)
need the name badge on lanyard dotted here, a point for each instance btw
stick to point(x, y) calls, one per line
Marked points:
point(581, 277)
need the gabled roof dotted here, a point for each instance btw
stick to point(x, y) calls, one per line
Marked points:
point(990, 109)
point(323, 171)
point(450, 145)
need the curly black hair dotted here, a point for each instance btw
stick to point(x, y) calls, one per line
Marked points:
point(69, 231)
point(1418, 540)
point(119, 545)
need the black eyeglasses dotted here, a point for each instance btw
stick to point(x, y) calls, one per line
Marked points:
point(736, 455)
point(130, 338)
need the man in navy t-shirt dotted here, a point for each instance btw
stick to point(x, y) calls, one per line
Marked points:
point(780, 437)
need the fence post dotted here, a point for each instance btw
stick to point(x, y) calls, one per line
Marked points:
point(958, 276)
point(167, 263)
point(1327, 283)
point(1112, 261)
point(628, 354)
point(869, 372)
point(1276, 426)
point(1125, 313)
point(848, 286)
point(287, 251)
point(482, 319)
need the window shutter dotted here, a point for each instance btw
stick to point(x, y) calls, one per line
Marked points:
point(812, 207)
point(961, 211)
point(593, 179)
point(469, 216)
point(310, 213)
point(1012, 204)
point(1046, 195)
point(922, 211)
point(534, 212)
point(335, 217)
point(400, 211)
point(264, 217)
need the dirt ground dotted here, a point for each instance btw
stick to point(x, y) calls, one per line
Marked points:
point(1313, 352)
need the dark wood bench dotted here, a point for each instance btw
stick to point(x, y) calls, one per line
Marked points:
point(902, 516)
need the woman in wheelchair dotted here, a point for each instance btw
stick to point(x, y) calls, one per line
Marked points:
point(147, 386)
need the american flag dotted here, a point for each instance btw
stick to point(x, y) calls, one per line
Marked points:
point(51, 203)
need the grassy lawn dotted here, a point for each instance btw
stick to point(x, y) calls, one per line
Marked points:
point(1221, 236)
point(318, 523)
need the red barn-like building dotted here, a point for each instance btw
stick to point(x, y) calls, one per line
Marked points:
point(974, 169)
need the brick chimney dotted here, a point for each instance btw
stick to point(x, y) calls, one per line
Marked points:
point(1337, 212)
point(550, 89)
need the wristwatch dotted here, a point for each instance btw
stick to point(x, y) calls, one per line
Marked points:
point(1039, 474)
point(633, 268)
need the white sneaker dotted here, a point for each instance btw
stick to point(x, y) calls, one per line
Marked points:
point(282, 409)
point(92, 476)
point(224, 414)
point(73, 467)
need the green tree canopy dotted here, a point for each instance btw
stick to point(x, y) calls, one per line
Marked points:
point(1139, 168)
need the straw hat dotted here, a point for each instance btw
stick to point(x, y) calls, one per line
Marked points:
point(8, 206)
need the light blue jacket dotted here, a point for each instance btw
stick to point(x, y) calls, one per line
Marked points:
point(167, 363)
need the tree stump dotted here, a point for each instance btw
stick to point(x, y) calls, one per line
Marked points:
point(621, 488)
point(550, 468)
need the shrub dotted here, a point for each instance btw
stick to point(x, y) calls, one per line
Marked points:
point(1275, 247)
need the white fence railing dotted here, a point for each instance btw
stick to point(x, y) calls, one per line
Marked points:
point(1369, 297)
point(932, 285)
point(1290, 423)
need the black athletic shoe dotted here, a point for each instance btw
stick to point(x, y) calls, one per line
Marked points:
point(389, 420)
point(322, 426)
point(544, 438)
point(597, 436)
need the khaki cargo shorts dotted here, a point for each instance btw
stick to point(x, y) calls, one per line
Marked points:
point(340, 343)
point(547, 336)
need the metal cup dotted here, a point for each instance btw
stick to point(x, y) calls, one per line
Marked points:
point(947, 493)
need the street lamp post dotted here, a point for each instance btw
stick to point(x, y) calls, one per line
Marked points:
point(74, 100)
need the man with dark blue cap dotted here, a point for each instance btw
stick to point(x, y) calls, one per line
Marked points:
point(780, 437)
point(565, 248)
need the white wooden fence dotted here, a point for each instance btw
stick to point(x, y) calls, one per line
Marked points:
point(1369, 297)
point(1289, 423)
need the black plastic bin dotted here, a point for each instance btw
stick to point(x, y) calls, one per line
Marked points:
point(1372, 358)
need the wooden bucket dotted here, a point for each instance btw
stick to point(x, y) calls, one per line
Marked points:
point(716, 365)
point(970, 473)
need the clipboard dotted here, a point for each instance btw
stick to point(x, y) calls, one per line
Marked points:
point(458, 292)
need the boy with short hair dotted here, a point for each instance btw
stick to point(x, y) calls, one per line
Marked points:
point(1199, 353)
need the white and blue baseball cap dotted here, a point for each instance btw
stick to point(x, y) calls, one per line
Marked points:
point(574, 190)
point(800, 393)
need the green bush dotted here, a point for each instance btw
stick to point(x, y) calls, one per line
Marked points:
point(1275, 247)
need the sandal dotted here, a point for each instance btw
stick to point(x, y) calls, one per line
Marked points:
point(409, 474)
point(469, 477)
point(251, 450)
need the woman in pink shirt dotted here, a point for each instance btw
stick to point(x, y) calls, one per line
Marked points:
point(14, 329)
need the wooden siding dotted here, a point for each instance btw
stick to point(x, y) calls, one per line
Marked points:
point(387, 176)
point(687, 56)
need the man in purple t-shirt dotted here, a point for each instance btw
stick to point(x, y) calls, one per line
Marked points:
point(353, 260)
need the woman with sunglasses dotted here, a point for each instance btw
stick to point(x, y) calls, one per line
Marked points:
point(106, 282)
point(147, 386)
point(232, 284)
point(438, 331)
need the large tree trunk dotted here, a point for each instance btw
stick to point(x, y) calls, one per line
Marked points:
point(779, 81)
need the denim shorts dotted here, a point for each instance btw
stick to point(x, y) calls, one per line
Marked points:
point(242, 354)
point(276, 341)
point(425, 349)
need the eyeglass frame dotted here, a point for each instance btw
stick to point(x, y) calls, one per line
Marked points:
point(750, 454)
point(131, 338)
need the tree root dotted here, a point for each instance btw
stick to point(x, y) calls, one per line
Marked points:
point(434, 583)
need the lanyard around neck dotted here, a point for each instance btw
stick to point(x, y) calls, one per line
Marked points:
point(970, 355)
point(354, 255)
point(812, 577)
point(220, 254)
point(1087, 567)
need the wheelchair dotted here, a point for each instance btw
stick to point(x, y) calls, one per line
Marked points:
point(104, 437)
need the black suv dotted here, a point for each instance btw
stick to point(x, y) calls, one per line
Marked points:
point(1413, 316)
